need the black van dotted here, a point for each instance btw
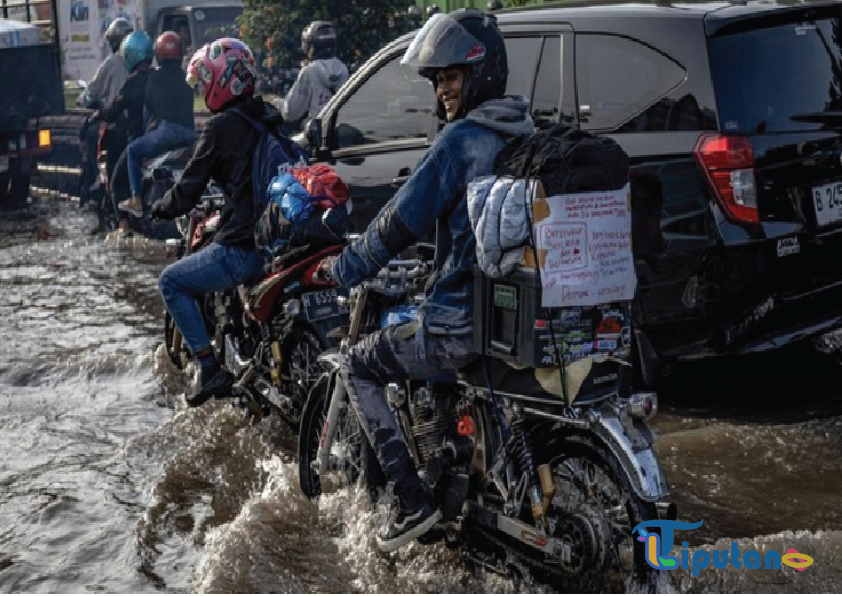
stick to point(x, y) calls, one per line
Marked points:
point(731, 114)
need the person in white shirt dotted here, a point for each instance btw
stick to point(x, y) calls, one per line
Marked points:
point(320, 79)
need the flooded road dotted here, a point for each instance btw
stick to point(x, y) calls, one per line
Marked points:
point(107, 484)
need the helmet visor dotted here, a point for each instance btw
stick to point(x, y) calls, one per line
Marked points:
point(440, 43)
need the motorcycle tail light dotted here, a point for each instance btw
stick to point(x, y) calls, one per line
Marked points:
point(643, 405)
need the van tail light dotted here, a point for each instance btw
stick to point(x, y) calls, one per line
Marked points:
point(728, 163)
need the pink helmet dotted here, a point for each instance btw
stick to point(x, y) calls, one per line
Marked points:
point(226, 68)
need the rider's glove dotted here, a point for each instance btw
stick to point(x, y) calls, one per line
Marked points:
point(160, 210)
point(323, 271)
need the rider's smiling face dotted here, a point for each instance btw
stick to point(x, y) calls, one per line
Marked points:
point(449, 90)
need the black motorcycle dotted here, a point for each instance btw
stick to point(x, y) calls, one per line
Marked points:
point(528, 484)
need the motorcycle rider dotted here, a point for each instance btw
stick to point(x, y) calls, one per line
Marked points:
point(101, 91)
point(464, 56)
point(136, 49)
point(413, 13)
point(226, 69)
point(494, 5)
point(319, 80)
point(169, 105)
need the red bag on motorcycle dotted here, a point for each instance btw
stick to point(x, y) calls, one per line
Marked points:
point(323, 184)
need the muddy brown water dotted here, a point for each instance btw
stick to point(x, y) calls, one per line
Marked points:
point(107, 484)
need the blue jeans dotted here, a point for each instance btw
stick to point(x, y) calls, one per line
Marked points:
point(166, 137)
point(391, 354)
point(213, 269)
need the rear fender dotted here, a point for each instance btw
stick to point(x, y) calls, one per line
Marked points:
point(632, 445)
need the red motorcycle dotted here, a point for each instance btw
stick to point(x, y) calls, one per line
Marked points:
point(269, 334)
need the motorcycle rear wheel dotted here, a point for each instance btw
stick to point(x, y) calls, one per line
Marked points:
point(584, 507)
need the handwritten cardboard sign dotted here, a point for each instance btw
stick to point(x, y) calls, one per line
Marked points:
point(583, 242)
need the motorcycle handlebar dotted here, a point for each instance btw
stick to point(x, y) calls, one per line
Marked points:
point(408, 269)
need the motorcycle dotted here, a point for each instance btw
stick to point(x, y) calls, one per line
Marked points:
point(267, 335)
point(527, 485)
point(159, 175)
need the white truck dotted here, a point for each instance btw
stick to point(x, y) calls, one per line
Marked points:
point(82, 26)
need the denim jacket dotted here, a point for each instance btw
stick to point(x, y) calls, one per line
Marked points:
point(436, 194)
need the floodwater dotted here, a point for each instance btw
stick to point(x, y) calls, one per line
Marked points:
point(108, 484)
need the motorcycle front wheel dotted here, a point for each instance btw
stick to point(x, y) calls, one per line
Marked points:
point(174, 343)
point(350, 451)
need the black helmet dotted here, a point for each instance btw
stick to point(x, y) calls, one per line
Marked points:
point(117, 30)
point(320, 37)
point(495, 5)
point(414, 12)
point(465, 37)
point(432, 9)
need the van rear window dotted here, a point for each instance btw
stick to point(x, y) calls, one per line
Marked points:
point(766, 76)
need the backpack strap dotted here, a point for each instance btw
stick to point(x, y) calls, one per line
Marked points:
point(289, 146)
point(260, 126)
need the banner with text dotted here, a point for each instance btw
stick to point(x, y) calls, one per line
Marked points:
point(584, 246)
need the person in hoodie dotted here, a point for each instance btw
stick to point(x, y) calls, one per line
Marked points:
point(464, 55)
point(320, 79)
point(227, 72)
point(101, 91)
point(137, 51)
point(169, 107)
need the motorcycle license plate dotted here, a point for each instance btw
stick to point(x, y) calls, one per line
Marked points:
point(322, 304)
point(4, 163)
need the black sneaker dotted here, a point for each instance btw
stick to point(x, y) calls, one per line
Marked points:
point(407, 527)
point(218, 385)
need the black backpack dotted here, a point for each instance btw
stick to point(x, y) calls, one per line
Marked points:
point(566, 160)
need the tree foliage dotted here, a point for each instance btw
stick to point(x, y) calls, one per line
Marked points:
point(273, 27)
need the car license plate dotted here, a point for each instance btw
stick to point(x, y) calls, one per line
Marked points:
point(4, 163)
point(322, 304)
point(827, 201)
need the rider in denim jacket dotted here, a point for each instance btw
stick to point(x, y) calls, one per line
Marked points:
point(464, 55)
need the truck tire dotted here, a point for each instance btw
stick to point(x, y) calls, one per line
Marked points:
point(19, 190)
point(4, 189)
point(14, 190)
